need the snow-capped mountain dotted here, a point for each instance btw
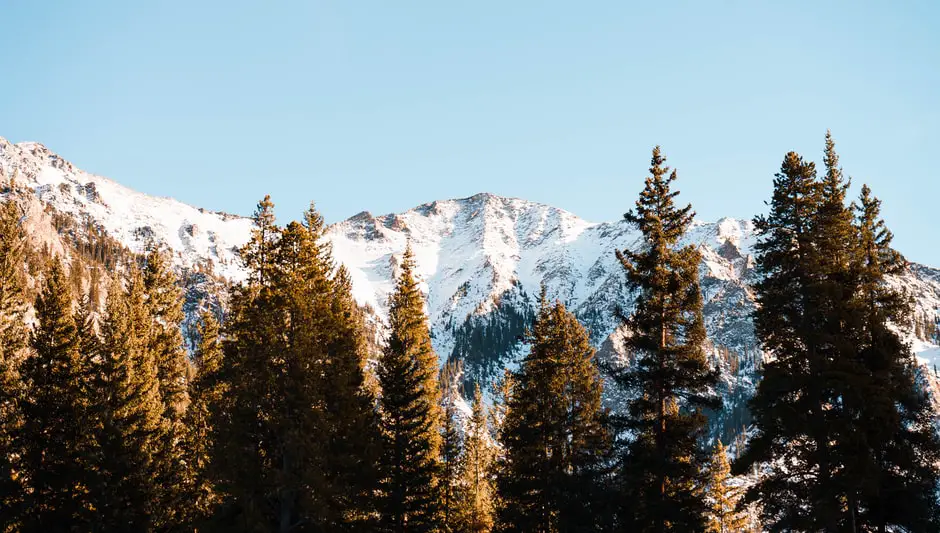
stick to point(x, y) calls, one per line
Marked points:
point(133, 218)
point(482, 261)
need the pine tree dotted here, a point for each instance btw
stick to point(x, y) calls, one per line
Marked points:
point(840, 387)
point(661, 471)
point(133, 429)
point(206, 396)
point(724, 515)
point(476, 510)
point(410, 413)
point(55, 443)
point(788, 408)
point(350, 477)
point(451, 496)
point(258, 254)
point(164, 304)
point(555, 434)
point(891, 470)
point(13, 337)
point(245, 459)
point(297, 440)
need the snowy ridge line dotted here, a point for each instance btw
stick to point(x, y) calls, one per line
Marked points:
point(475, 256)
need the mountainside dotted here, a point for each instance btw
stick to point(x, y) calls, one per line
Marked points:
point(482, 261)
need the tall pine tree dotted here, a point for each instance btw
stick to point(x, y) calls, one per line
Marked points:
point(133, 428)
point(297, 442)
point(892, 471)
point(839, 391)
point(410, 413)
point(164, 304)
point(555, 433)
point(56, 444)
point(724, 515)
point(476, 506)
point(789, 408)
point(206, 399)
point(661, 472)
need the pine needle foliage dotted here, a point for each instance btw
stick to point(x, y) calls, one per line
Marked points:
point(411, 415)
point(661, 473)
point(555, 436)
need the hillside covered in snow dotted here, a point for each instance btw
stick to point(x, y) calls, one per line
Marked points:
point(482, 261)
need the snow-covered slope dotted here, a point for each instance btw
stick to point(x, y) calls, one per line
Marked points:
point(133, 218)
point(476, 254)
point(482, 261)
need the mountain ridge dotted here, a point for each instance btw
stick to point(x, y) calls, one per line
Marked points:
point(481, 261)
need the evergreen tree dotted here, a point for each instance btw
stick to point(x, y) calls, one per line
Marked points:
point(476, 510)
point(297, 441)
point(840, 389)
point(13, 337)
point(661, 472)
point(555, 434)
point(891, 471)
point(133, 429)
point(258, 253)
point(164, 304)
point(451, 497)
point(789, 407)
point(353, 446)
point(55, 442)
point(246, 461)
point(411, 414)
point(205, 395)
point(724, 515)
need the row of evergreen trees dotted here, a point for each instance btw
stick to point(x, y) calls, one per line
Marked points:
point(283, 421)
point(846, 438)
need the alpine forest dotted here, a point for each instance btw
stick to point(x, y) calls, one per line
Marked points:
point(140, 396)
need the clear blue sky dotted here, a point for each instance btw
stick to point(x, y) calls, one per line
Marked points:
point(385, 105)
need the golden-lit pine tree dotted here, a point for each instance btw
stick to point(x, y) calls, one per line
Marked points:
point(724, 515)
point(410, 413)
point(296, 440)
point(164, 304)
point(133, 428)
point(476, 507)
point(13, 337)
point(56, 442)
point(206, 395)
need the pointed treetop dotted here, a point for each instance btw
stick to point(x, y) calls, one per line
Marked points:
point(835, 185)
point(655, 213)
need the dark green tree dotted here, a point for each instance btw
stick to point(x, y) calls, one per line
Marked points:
point(410, 413)
point(890, 469)
point(555, 435)
point(790, 409)
point(840, 391)
point(661, 464)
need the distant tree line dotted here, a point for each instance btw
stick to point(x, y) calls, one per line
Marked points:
point(281, 421)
